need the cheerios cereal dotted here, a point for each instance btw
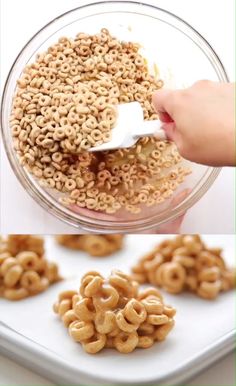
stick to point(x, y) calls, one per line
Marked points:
point(113, 313)
point(24, 271)
point(95, 245)
point(186, 263)
point(65, 103)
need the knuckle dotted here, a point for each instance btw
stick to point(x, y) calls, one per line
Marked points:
point(202, 83)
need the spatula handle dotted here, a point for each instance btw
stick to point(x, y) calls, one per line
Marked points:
point(151, 128)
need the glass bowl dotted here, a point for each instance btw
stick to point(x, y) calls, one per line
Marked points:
point(182, 55)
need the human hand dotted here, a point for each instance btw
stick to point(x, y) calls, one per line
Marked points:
point(200, 120)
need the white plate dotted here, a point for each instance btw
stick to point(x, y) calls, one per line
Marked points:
point(33, 335)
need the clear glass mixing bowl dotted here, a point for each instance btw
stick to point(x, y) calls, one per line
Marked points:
point(183, 56)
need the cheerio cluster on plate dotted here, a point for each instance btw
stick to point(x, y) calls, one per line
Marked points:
point(114, 313)
point(65, 103)
point(186, 263)
point(94, 245)
point(24, 271)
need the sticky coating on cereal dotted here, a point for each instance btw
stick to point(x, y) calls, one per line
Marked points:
point(114, 313)
point(24, 271)
point(186, 263)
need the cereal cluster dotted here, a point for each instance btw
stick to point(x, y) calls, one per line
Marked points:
point(113, 313)
point(94, 245)
point(24, 271)
point(65, 103)
point(186, 263)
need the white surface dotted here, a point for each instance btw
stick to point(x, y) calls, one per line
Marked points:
point(195, 317)
point(221, 374)
point(214, 212)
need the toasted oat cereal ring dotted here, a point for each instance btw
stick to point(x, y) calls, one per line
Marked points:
point(152, 276)
point(153, 306)
point(179, 251)
point(15, 293)
point(209, 274)
point(96, 246)
point(135, 287)
point(68, 294)
point(113, 333)
point(91, 273)
point(141, 278)
point(205, 260)
point(30, 280)
point(95, 343)
point(229, 275)
point(157, 319)
point(146, 329)
point(7, 265)
point(124, 324)
point(61, 307)
point(84, 309)
point(135, 312)
point(193, 243)
point(169, 311)
point(107, 298)
point(126, 342)
point(154, 263)
point(28, 260)
point(75, 299)
point(12, 276)
point(219, 262)
point(224, 285)
point(145, 341)
point(69, 317)
point(209, 290)
point(162, 331)
point(109, 343)
point(91, 285)
point(215, 251)
point(173, 277)
point(121, 282)
point(122, 302)
point(149, 292)
point(185, 261)
point(80, 330)
point(191, 282)
point(43, 285)
point(3, 257)
point(52, 273)
point(105, 322)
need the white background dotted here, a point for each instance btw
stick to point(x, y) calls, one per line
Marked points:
point(21, 19)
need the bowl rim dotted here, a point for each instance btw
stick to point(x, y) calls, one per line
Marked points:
point(46, 201)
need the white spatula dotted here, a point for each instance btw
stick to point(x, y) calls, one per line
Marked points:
point(130, 126)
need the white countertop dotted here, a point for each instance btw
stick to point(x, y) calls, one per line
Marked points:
point(214, 212)
point(221, 374)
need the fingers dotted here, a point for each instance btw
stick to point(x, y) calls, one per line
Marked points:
point(162, 101)
point(169, 128)
point(165, 117)
point(166, 103)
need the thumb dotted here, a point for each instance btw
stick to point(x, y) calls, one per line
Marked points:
point(170, 130)
point(161, 101)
